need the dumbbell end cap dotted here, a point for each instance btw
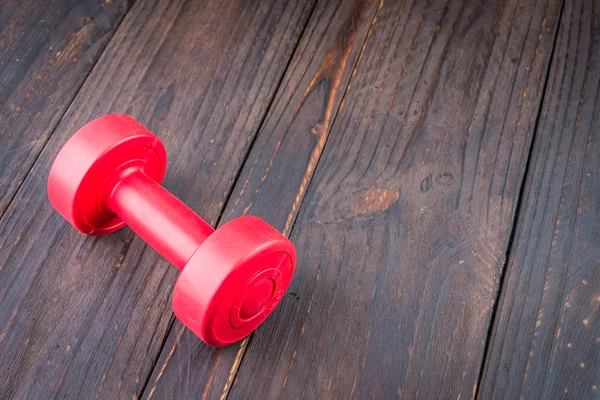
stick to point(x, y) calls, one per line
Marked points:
point(234, 281)
point(105, 146)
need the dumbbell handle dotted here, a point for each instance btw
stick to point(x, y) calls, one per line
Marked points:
point(158, 217)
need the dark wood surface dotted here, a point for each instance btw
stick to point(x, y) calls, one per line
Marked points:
point(546, 340)
point(47, 49)
point(405, 225)
point(85, 317)
point(391, 140)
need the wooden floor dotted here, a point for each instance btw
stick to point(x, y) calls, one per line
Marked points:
point(437, 165)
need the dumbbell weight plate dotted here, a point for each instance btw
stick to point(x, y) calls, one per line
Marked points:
point(102, 148)
point(224, 292)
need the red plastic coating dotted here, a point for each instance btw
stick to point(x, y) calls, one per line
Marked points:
point(108, 175)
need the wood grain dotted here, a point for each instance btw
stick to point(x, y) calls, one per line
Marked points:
point(84, 317)
point(275, 177)
point(546, 337)
point(47, 49)
point(403, 232)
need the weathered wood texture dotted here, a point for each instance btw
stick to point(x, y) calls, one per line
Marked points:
point(273, 181)
point(47, 49)
point(546, 339)
point(403, 232)
point(85, 317)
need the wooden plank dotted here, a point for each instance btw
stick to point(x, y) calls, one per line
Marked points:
point(85, 317)
point(47, 49)
point(274, 180)
point(546, 338)
point(404, 228)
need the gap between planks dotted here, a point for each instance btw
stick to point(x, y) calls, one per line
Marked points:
point(66, 109)
point(239, 358)
point(244, 343)
point(538, 112)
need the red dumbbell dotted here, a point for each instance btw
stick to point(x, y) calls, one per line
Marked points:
point(108, 175)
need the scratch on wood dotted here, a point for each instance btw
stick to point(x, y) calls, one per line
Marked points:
point(162, 369)
point(321, 130)
point(234, 367)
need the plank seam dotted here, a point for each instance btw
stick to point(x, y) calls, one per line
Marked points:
point(60, 118)
point(264, 118)
point(246, 343)
point(228, 197)
point(484, 358)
